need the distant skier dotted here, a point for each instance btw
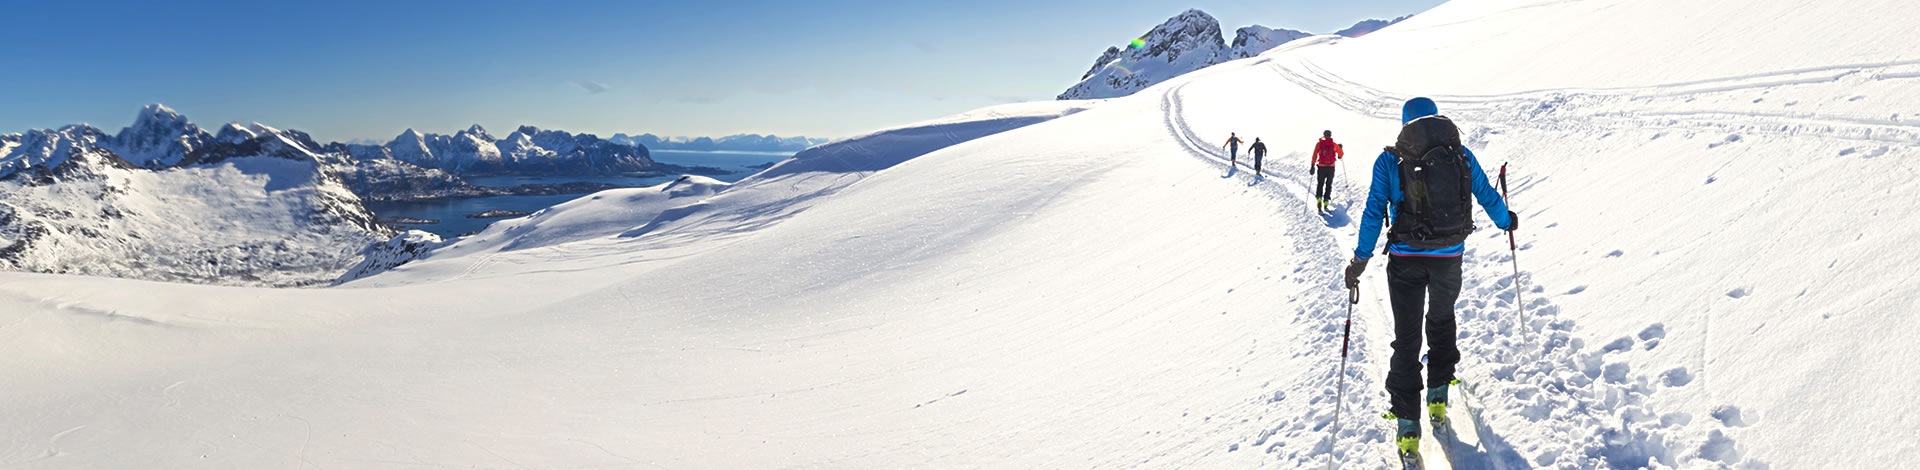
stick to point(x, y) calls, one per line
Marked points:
point(1425, 181)
point(1325, 155)
point(1233, 146)
point(1259, 151)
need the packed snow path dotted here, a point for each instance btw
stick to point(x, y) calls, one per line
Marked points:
point(1705, 226)
point(1525, 375)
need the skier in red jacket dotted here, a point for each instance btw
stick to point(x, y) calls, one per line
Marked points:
point(1325, 154)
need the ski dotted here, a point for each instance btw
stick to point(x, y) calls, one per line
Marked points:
point(1411, 461)
point(1395, 459)
point(1461, 415)
point(1443, 437)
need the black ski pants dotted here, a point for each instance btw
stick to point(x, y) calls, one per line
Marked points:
point(1420, 285)
point(1323, 183)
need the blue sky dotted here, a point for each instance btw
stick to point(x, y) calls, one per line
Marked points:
point(349, 70)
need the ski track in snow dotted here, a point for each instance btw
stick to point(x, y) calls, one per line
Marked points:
point(1570, 109)
point(1542, 376)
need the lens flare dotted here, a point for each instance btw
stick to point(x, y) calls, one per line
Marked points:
point(1138, 43)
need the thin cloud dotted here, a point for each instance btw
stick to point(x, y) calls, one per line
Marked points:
point(593, 88)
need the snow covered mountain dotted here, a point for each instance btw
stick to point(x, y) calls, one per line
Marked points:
point(43, 154)
point(528, 150)
point(1185, 43)
point(1097, 288)
point(251, 206)
point(1368, 26)
point(158, 138)
point(1253, 40)
point(155, 201)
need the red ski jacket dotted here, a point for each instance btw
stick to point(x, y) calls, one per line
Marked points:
point(1326, 151)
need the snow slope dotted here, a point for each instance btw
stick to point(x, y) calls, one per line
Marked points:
point(1706, 210)
point(711, 211)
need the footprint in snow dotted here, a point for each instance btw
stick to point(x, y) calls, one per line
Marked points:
point(1657, 330)
point(1618, 345)
point(1653, 334)
point(1676, 377)
point(1576, 290)
point(1730, 415)
point(1616, 372)
point(1739, 292)
point(1719, 448)
point(1616, 254)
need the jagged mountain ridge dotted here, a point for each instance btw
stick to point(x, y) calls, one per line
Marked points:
point(1189, 41)
point(250, 206)
point(1194, 36)
point(162, 138)
point(528, 150)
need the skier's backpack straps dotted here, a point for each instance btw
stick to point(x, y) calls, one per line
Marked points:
point(1436, 184)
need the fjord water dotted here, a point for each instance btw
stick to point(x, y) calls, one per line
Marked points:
point(452, 213)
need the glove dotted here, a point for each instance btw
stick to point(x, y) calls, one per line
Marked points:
point(1354, 269)
point(1513, 221)
point(1311, 170)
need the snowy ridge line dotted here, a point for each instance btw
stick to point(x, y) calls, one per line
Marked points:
point(1616, 107)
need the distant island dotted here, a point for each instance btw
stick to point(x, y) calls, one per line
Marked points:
point(403, 220)
point(498, 214)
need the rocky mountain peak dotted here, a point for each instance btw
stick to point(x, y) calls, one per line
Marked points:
point(1186, 42)
point(158, 137)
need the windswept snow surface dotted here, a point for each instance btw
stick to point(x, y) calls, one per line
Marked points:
point(697, 208)
point(1708, 195)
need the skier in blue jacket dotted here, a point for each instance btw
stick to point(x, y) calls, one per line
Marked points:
point(1425, 243)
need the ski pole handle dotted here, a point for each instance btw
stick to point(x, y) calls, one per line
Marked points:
point(1353, 296)
point(1509, 200)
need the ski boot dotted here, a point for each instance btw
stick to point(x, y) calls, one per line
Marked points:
point(1437, 403)
point(1406, 440)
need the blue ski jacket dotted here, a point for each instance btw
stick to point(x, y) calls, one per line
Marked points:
point(1385, 193)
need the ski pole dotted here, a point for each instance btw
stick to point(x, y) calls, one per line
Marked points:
point(1353, 297)
point(1514, 248)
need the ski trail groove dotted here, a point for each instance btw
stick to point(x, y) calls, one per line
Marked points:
point(1323, 314)
point(1633, 107)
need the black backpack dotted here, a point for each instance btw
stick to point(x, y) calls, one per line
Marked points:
point(1437, 211)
